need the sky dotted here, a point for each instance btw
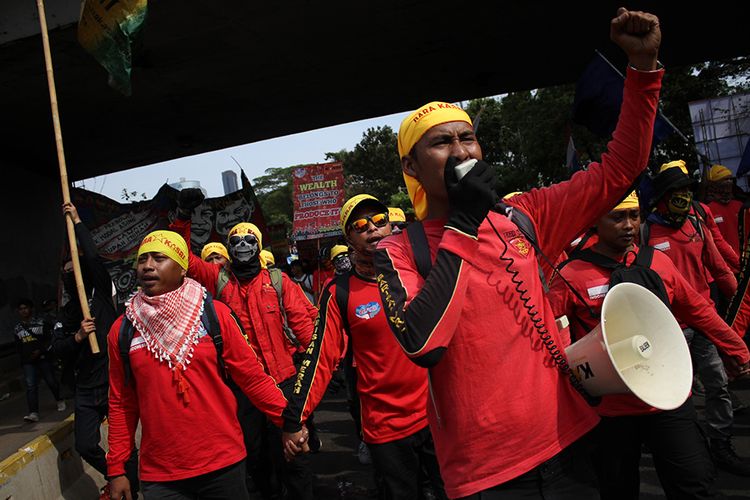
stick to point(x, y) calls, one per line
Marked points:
point(255, 158)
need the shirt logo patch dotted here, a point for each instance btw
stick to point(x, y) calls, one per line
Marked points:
point(662, 245)
point(522, 246)
point(597, 292)
point(719, 219)
point(367, 311)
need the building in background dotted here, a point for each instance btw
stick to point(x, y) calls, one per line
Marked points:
point(229, 180)
point(722, 129)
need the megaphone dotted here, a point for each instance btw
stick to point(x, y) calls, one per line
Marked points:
point(637, 348)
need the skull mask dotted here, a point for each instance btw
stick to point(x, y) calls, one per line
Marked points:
point(243, 247)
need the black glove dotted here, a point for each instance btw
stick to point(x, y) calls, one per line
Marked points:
point(187, 200)
point(471, 197)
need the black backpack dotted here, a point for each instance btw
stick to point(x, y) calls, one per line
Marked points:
point(638, 272)
point(210, 323)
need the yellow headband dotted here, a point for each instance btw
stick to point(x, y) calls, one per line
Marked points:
point(395, 214)
point(169, 243)
point(630, 202)
point(512, 194)
point(675, 164)
point(267, 257)
point(338, 250)
point(246, 228)
point(412, 129)
point(214, 247)
point(719, 173)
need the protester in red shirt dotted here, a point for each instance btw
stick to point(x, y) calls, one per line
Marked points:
point(726, 209)
point(504, 418)
point(244, 284)
point(392, 390)
point(681, 456)
point(215, 253)
point(731, 258)
point(679, 233)
point(191, 438)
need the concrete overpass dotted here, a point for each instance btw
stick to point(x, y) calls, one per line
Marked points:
point(210, 75)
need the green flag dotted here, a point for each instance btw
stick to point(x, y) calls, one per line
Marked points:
point(106, 29)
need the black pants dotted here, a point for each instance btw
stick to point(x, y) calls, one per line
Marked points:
point(90, 410)
point(569, 475)
point(265, 455)
point(679, 448)
point(402, 465)
point(224, 484)
point(32, 371)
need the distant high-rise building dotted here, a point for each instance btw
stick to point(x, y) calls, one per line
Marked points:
point(229, 179)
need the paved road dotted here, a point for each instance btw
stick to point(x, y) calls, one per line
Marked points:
point(339, 473)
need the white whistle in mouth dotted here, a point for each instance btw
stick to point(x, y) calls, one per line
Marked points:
point(463, 168)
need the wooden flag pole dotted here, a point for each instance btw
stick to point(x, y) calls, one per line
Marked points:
point(64, 174)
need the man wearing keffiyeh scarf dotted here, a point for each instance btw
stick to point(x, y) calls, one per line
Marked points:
point(176, 388)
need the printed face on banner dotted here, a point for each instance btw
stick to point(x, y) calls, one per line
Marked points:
point(232, 214)
point(201, 224)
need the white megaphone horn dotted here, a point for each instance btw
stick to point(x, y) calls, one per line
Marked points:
point(637, 348)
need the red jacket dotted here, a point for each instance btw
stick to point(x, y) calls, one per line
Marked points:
point(592, 283)
point(500, 407)
point(181, 440)
point(696, 258)
point(256, 304)
point(392, 389)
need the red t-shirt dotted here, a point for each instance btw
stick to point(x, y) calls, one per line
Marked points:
point(592, 284)
point(727, 217)
point(392, 390)
point(730, 256)
point(181, 440)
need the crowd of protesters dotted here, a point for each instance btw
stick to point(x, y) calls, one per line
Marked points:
point(443, 331)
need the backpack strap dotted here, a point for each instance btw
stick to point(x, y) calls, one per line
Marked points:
point(645, 256)
point(342, 299)
point(586, 255)
point(645, 232)
point(211, 323)
point(420, 248)
point(124, 339)
point(276, 281)
point(524, 224)
point(221, 281)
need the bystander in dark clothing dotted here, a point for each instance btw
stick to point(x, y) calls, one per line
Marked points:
point(70, 341)
point(32, 336)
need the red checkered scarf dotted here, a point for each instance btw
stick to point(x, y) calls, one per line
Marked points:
point(170, 324)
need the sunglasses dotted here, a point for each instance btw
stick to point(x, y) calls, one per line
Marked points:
point(235, 240)
point(378, 220)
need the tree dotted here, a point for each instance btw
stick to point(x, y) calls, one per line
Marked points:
point(525, 133)
point(274, 192)
point(373, 166)
point(132, 196)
